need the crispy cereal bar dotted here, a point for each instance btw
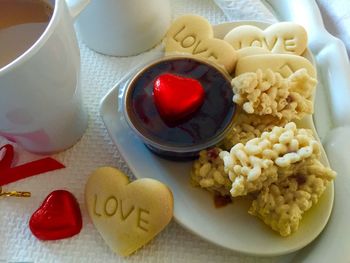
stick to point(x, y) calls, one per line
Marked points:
point(208, 173)
point(254, 165)
point(247, 127)
point(268, 93)
point(281, 204)
point(281, 167)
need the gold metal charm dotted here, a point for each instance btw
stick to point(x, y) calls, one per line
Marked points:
point(14, 193)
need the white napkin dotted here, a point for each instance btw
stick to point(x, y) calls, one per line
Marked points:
point(336, 17)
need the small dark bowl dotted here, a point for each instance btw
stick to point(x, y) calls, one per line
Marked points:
point(205, 128)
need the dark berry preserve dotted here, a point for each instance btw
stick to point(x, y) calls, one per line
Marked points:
point(202, 129)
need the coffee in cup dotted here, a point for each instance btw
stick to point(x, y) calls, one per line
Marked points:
point(22, 22)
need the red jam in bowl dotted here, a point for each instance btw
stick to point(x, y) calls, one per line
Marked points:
point(201, 129)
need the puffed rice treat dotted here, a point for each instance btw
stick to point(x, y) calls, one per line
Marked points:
point(208, 173)
point(268, 93)
point(253, 165)
point(247, 127)
point(282, 204)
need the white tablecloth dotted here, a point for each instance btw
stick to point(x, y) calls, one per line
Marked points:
point(95, 149)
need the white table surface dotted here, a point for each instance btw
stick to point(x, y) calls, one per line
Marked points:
point(95, 149)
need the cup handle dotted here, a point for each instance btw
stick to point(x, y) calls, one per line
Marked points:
point(76, 6)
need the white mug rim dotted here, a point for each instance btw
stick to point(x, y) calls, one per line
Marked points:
point(38, 43)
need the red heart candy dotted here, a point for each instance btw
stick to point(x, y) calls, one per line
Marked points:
point(58, 217)
point(177, 97)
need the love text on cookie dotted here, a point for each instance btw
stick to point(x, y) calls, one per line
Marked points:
point(113, 206)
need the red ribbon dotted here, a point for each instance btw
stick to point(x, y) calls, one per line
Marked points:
point(10, 174)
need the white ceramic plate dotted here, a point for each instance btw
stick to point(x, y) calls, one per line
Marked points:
point(230, 227)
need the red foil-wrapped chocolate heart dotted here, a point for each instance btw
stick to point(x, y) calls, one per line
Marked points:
point(177, 97)
point(58, 217)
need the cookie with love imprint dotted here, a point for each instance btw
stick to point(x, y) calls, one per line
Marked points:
point(127, 214)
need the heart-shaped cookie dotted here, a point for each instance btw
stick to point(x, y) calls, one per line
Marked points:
point(127, 215)
point(58, 217)
point(284, 37)
point(285, 64)
point(194, 35)
point(177, 97)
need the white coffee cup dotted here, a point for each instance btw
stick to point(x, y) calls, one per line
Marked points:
point(124, 27)
point(40, 94)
